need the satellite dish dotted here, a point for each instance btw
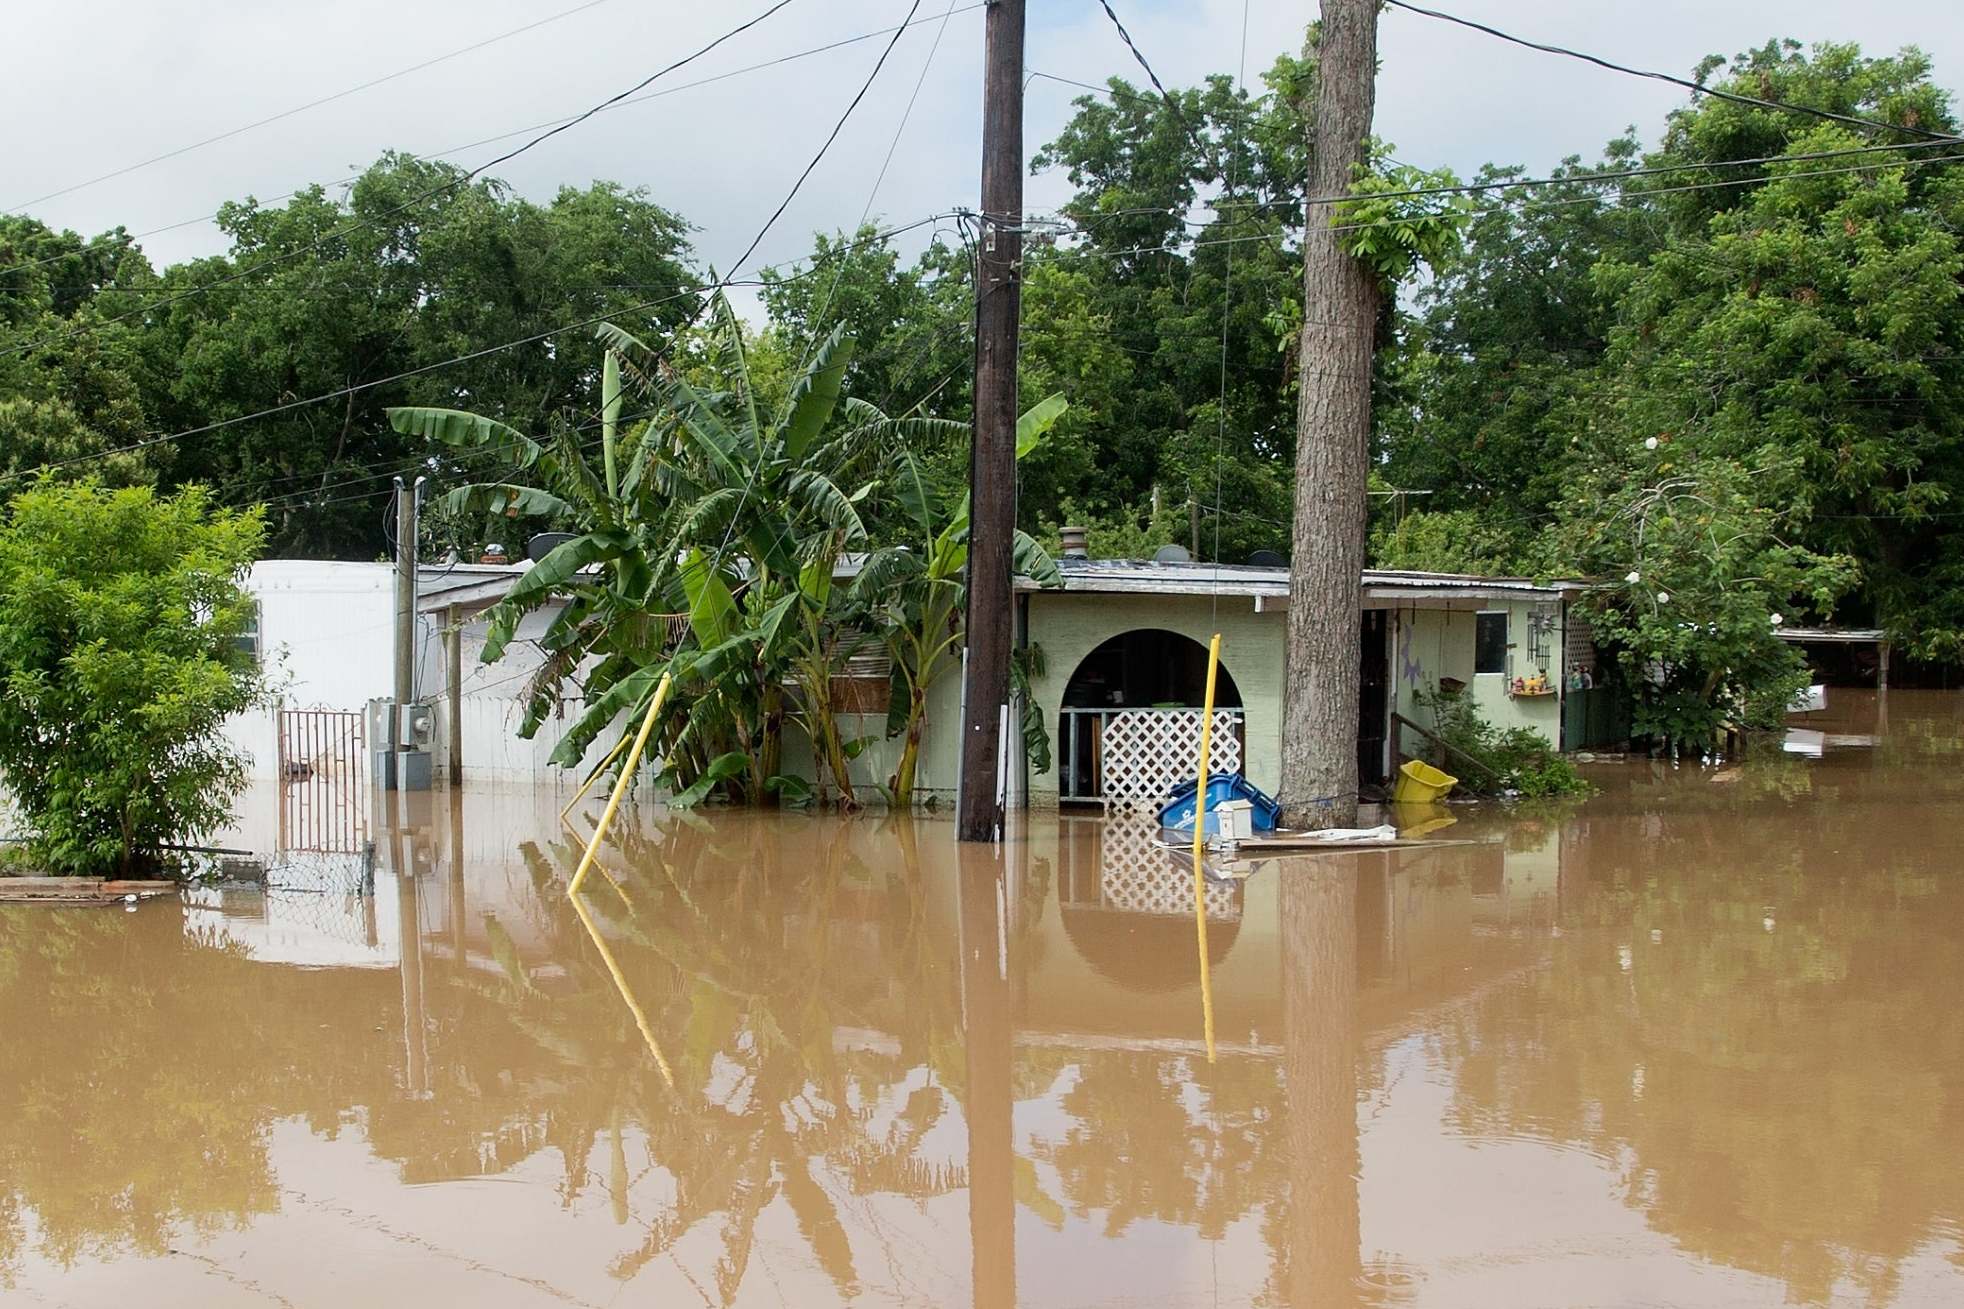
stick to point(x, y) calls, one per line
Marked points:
point(1267, 559)
point(544, 544)
point(1172, 554)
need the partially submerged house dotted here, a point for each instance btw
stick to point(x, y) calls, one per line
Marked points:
point(1121, 645)
point(1126, 637)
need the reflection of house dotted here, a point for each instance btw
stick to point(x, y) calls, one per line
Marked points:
point(1432, 926)
point(1120, 640)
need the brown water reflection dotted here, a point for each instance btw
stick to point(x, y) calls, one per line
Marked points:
point(1694, 1042)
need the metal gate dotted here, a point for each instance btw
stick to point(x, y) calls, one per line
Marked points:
point(323, 781)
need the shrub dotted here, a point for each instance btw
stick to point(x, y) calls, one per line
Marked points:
point(1522, 760)
point(121, 613)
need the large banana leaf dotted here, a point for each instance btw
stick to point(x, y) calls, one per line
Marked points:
point(471, 431)
point(720, 769)
point(627, 693)
point(536, 584)
point(821, 497)
point(814, 395)
point(712, 610)
point(503, 498)
point(1038, 419)
point(1034, 562)
point(910, 490)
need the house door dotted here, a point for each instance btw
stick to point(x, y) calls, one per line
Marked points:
point(1374, 685)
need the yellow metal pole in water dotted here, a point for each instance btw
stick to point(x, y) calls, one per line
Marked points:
point(620, 984)
point(620, 787)
point(1200, 844)
point(593, 777)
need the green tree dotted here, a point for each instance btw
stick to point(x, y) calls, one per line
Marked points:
point(1697, 563)
point(121, 618)
point(1818, 314)
point(407, 270)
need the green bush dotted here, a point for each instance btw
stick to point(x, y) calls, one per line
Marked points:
point(121, 613)
point(1522, 760)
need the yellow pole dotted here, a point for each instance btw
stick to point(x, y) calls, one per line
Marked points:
point(620, 984)
point(592, 777)
point(620, 787)
point(1200, 844)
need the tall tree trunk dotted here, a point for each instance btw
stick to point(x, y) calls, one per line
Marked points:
point(1333, 429)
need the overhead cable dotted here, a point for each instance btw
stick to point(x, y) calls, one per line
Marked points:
point(451, 185)
point(311, 104)
point(404, 375)
point(1699, 88)
point(551, 122)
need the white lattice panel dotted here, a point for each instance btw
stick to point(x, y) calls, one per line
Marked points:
point(1136, 875)
point(1147, 752)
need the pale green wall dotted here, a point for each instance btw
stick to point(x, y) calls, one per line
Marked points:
point(1426, 644)
point(1069, 627)
point(1435, 643)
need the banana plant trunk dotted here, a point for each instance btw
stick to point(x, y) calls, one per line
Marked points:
point(835, 755)
point(902, 784)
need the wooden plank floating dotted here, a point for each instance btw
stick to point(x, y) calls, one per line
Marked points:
point(1309, 845)
point(78, 890)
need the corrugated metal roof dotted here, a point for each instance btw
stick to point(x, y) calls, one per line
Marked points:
point(1119, 576)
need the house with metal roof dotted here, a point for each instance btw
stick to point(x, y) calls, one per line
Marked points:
point(1126, 638)
point(1118, 653)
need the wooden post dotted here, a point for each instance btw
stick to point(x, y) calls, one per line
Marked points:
point(992, 458)
point(453, 658)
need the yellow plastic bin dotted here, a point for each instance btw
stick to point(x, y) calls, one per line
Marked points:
point(1421, 783)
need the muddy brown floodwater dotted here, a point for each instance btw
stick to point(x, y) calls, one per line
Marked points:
point(1697, 1041)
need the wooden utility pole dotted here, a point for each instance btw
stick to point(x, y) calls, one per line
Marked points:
point(992, 455)
point(1333, 428)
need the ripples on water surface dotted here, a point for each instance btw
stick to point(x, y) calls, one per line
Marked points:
point(1695, 1042)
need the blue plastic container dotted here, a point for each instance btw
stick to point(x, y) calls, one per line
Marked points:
point(1177, 813)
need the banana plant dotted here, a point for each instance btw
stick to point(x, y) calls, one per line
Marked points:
point(919, 591)
point(723, 509)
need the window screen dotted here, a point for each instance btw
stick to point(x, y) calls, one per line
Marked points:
point(1490, 642)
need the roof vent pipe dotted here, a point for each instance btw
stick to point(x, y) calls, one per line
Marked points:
point(1075, 542)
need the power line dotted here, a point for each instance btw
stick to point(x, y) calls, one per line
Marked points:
point(1080, 221)
point(1689, 85)
point(389, 468)
point(750, 483)
point(1172, 105)
point(451, 185)
point(532, 127)
point(311, 104)
point(1227, 306)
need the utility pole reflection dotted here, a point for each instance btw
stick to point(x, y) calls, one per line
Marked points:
point(987, 1030)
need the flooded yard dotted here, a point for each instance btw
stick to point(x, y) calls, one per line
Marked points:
point(1694, 1042)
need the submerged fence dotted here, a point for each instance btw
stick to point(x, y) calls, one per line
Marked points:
point(323, 781)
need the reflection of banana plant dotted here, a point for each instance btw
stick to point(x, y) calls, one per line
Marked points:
point(748, 1005)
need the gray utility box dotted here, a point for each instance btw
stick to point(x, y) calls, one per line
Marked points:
point(399, 744)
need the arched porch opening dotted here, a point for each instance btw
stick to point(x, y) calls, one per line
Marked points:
point(1146, 669)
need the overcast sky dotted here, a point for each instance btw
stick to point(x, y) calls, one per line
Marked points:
point(93, 85)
